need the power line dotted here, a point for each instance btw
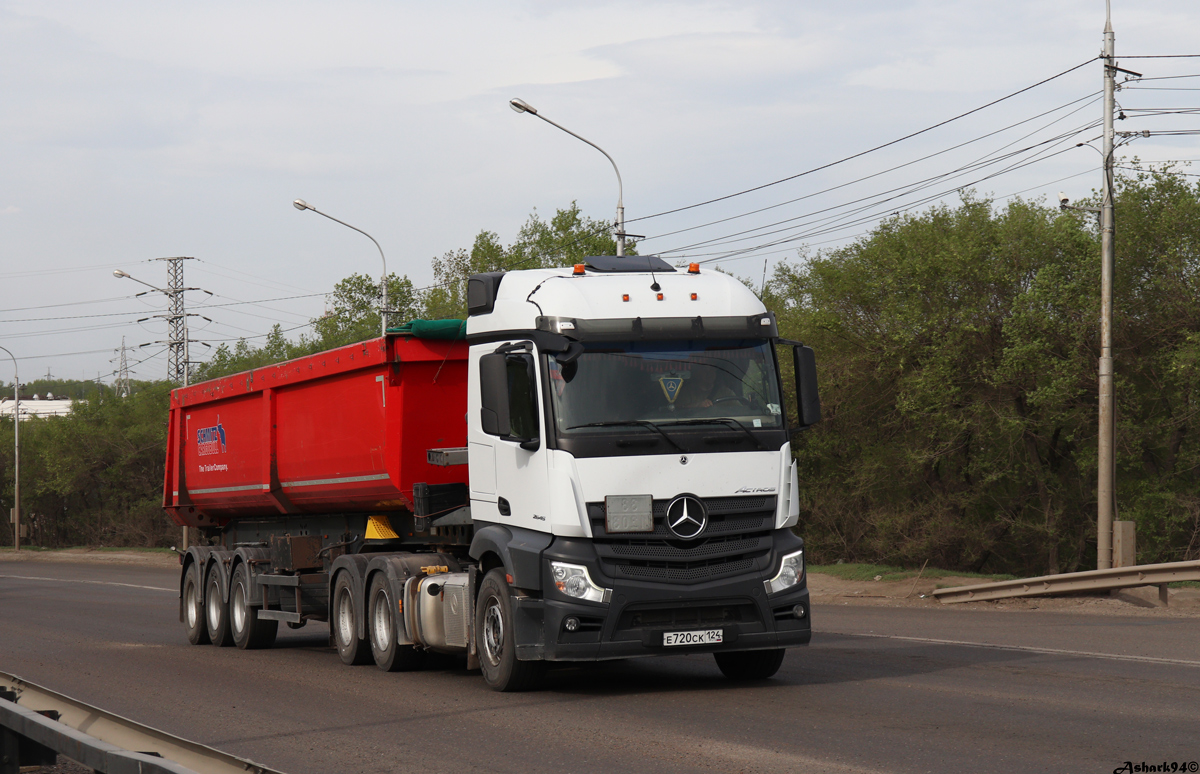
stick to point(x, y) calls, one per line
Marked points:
point(979, 163)
point(1092, 97)
point(864, 153)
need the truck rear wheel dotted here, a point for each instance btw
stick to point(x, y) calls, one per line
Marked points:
point(193, 606)
point(495, 641)
point(249, 633)
point(216, 612)
point(750, 664)
point(345, 624)
point(390, 655)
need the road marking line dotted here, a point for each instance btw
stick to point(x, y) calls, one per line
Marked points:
point(1026, 648)
point(100, 583)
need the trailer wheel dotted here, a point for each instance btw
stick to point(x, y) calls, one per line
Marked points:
point(495, 642)
point(750, 664)
point(216, 612)
point(193, 606)
point(249, 633)
point(390, 655)
point(345, 624)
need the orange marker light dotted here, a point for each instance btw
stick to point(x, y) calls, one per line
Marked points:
point(695, 296)
point(579, 269)
point(660, 296)
point(693, 268)
point(625, 297)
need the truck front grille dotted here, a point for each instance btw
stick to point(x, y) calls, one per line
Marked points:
point(737, 540)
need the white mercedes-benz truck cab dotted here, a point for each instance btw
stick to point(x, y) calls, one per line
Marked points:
point(631, 479)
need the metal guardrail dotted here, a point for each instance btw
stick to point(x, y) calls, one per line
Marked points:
point(1093, 580)
point(108, 743)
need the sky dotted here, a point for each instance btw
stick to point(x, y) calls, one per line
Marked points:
point(131, 131)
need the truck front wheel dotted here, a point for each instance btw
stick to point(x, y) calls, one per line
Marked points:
point(216, 612)
point(345, 624)
point(750, 664)
point(193, 606)
point(495, 641)
point(390, 655)
point(249, 633)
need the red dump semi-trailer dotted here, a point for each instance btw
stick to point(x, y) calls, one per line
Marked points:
point(631, 487)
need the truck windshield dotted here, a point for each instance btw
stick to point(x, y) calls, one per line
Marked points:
point(651, 388)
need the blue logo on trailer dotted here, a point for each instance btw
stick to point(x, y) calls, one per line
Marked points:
point(210, 440)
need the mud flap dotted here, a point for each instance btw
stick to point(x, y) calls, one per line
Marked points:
point(529, 628)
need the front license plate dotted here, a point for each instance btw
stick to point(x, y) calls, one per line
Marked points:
point(628, 513)
point(704, 637)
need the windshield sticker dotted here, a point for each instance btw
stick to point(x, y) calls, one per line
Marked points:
point(670, 386)
point(773, 408)
point(210, 440)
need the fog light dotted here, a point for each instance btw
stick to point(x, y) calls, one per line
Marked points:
point(572, 623)
point(798, 611)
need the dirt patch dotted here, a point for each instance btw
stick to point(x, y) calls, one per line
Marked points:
point(103, 556)
point(916, 592)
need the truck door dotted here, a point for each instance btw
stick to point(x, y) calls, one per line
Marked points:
point(511, 413)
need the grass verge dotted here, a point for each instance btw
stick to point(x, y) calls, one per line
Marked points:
point(867, 572)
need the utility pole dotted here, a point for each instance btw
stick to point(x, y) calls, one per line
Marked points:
point(16, 514)
point(177, 354)
point(1106, 458)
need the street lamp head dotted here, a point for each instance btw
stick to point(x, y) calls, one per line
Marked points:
point(1063, 201)
point(300, 204)
point(521, 106)
point(119, 273)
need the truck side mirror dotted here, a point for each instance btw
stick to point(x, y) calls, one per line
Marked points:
point(508, 398)
point(808, 402)
point(493, 394)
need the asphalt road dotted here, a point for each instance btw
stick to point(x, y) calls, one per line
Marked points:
point(879, 690)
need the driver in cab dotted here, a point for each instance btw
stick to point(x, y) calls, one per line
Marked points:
point(702, 390)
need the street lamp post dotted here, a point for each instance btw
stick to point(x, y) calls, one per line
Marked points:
point(302, 205)
point(521, 106)
point(16, 454)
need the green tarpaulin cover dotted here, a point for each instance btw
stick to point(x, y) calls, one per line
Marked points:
point(450, 330)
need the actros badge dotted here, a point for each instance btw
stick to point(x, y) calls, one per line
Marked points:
point(686, 517)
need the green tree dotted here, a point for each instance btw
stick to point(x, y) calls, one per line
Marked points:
point(566, 239)
point(958, 353)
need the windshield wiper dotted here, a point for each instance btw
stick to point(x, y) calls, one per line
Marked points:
point(637, 422)
point(729, 421)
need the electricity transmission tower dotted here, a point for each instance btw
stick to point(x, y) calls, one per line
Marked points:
point(121, 387)
point(177, 338)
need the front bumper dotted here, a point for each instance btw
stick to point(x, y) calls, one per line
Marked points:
point(633, 623)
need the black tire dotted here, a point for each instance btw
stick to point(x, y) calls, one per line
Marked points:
point(343, 620)
point(216, 611)
point(193, 606)
point(249, 633)
point(502, 671)
point(389, 654)
point(750, 664)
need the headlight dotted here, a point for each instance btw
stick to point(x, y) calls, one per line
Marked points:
point(790, 570)
point(574, 581)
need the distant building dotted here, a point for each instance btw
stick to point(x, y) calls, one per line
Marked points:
point(36, 406)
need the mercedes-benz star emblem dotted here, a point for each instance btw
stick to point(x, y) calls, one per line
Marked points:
point(686, 517)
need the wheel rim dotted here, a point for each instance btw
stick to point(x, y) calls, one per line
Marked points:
point(214, 606)
point(192, 604)
point(493, 632)
point(238, 608)
point(345, 617)
point(381, 629)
